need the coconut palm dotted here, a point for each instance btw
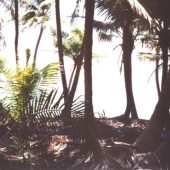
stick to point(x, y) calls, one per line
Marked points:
point(16, 18)
point(90, 133)
point(159, 10)
point(150, 139)
point(123, 18)
point(161, 13)
point(87, 52)
point(72, 47)
point(60, 50)
point(38, 14)
point(13, 7)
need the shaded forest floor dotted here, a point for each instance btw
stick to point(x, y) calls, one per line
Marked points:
point(63, 148)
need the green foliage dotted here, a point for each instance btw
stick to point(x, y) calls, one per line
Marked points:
point(22, 89)
point(24, 86)
point(49, 76)
point(38, 12)
point(149, 57)
point(2, 64)
point(71, 42)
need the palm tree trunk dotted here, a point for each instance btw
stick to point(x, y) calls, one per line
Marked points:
point(60, 50)
point(165, 65)
point(128, 44)
point(72, 77)
point(90, 134)
point(151, 137)
point(88, 43)
point(164, 47)
point(157, 76)
point(73, 87)
point(37, 46)
point(16, 33)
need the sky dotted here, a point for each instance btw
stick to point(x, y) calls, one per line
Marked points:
point(109, 95)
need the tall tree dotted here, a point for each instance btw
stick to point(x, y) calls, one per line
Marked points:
point(159, 10)
point(60, 50)
point(162, 13)
point(127, 46)
point(90, 133)
point(87, 52)
point(13, 7)
point(125, 19)
point(37, 14)
point(159, 123)
point(16, 18)
point(72, 47)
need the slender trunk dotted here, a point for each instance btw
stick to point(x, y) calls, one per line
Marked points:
point(165, 64)
point(76, 78)
point(37, 46)
point(16, 33)
point(90, 128)
point(157, 76)
point(72, 77)
point(60, 50)
point(151, 137)
point(164, 48)
point(67, 109)
point(72, 89)
point(88, 43)
point(128, 44)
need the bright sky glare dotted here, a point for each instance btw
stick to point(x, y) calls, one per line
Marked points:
point(108, 83)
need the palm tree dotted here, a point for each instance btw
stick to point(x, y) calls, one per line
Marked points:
point(150, 139)
point(60, 50)
point(159, 10)
point(16, 18)
point(90, 134)
point(162, 10)
point(38, 14)
point(13, 7)
point(72, 47)
point(123, 17)
point(87, 52)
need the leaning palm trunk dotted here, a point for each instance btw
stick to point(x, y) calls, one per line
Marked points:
point(37, 46)
point(128, 44)
point(73, 84)
point(60, 50)
point(157, 76)
point(72, 76)
point(16, 33)
point(165, 64)
point(151, 137)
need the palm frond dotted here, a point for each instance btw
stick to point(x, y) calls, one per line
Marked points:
point(103, 26)
point(140, 10)
point(105, 37)
point(47, 107)
point(49, 76)
point(28, 16)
